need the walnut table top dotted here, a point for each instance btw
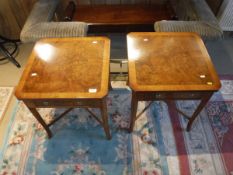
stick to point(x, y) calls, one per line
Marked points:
point(169, 66)
point(66, 68)
point(170, 62)
point(67, 73)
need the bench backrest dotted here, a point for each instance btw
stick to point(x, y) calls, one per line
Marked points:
point(95, 2)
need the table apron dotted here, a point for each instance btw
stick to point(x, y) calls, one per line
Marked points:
point(149, 96)
point(75, 103)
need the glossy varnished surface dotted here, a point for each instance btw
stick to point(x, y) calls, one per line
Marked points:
point(169, 62)
point(123, 14)
point(66, 68)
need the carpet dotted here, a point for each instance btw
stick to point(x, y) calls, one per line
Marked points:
point(158, 144)
point(5, 95)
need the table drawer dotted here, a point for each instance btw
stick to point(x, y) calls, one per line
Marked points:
point(168, 95)
point(52, 103)
point(186, 95)
point(87, 103)
point(65, 103)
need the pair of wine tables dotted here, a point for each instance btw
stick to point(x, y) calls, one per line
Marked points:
point(74, 72)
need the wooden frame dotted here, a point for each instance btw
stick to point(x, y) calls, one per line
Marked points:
point(73, 72)
point(169, 66)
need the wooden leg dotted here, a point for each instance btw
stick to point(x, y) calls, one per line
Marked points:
point(109, 84)
point(41, 121)
point(134, 107)
point(104, 115)
point(202, 104)
point(127, 81)
point(109, 80)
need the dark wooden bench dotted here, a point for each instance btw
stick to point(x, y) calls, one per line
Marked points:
point(122, 18)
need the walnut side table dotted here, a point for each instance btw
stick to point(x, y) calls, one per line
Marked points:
point(169, 66)
point(67, 73)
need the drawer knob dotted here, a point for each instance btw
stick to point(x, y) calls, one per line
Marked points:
point(78, 103)
point(45, 103)
point(157, 95)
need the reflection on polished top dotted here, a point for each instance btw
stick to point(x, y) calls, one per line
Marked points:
point(169, 62)
point(67, 68)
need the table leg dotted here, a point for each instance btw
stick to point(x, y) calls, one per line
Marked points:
point(109, 84)
point(202, 104)
point(134, 107)
point(104, 115)
point(41, 121)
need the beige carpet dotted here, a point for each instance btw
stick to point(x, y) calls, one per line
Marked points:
point(5, 95)
point(6, 106)
point(9, 77)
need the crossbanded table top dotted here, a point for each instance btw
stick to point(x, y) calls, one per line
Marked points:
point(66, 68)
point(169, 62)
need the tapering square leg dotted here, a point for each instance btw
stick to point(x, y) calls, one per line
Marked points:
point(104, 115)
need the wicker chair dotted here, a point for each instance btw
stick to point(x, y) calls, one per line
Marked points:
point(193, 16)
point(40, 24)
point(225, 15)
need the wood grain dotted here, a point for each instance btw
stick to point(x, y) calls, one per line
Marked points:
point(169, 66)
point(66, 68)
point(169, 62)
point(21, 9)
point(122, 14)
point(13, 14)
point(67, 73)
point(8, 24)
point(112, 2)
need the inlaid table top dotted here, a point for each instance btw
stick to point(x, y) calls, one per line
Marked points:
point(170, 62)
point(66, 68)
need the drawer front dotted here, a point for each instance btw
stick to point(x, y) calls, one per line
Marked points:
point(65, 103)
point(168, 95)
point(87, 103)
point(52, 103)
point(187, 95)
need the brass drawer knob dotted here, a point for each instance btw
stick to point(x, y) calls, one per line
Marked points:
point(78, 103)
point(45, 103)
point(158, 95)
